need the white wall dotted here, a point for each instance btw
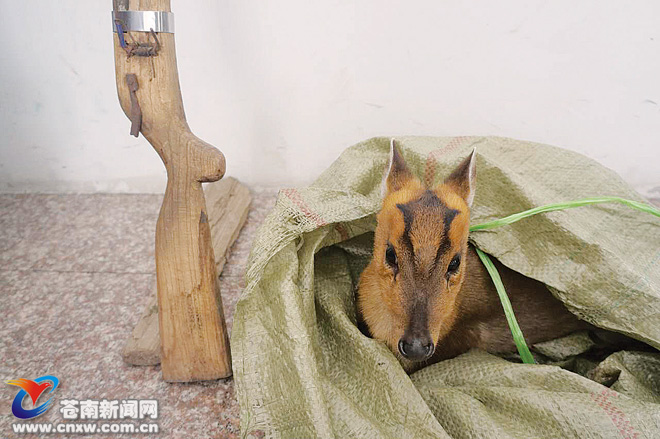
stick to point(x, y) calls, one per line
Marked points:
point(283, 86)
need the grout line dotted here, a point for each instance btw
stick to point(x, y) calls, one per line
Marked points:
point(78, 271)
point(222, 275)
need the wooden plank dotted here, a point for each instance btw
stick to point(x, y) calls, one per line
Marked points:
point(143, 346)
point(228, 203)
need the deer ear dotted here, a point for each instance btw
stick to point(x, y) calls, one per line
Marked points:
point(397, 174)
point(463, 179)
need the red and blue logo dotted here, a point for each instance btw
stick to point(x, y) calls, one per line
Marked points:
point(34, 388)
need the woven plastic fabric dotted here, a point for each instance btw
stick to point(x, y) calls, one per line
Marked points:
point(303, 369)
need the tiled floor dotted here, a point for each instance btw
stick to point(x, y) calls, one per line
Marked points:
point(75, 274)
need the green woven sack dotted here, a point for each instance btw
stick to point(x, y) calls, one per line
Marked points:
point(303, 369)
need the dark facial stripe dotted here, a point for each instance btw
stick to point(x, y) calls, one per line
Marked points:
point(445, 244)
point(419, 318)
point(428, 199)
point(408, 218)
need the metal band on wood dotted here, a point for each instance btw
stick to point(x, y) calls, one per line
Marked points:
point(143, 21)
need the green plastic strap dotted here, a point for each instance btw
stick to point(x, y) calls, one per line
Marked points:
point(518, 337)
point(561, 206)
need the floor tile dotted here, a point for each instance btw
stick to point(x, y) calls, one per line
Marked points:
point(75, 274)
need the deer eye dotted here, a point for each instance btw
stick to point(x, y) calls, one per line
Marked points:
point(390, 257)
point(454, 264)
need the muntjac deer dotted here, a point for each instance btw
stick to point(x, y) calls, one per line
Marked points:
point(425, 292)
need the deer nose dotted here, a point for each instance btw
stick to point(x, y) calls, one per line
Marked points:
point(416, 348)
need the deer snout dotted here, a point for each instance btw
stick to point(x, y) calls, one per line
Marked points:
point(416, 348)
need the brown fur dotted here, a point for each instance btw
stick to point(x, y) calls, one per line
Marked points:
point(427, 227)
